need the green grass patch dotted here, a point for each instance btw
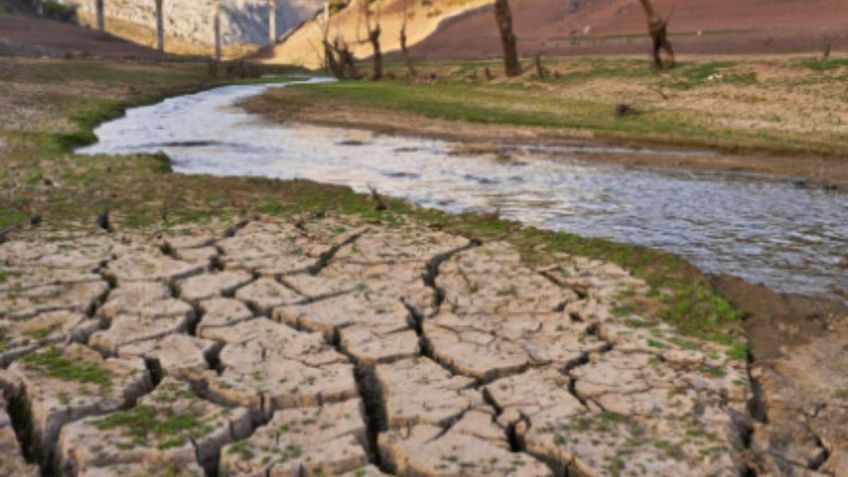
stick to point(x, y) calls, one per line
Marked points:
point(167, 427)
point(821, 65)
point(58, 365)
point(688, 76)
point(39, 334)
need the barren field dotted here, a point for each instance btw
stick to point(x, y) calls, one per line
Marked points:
point(158, 324)
point(326, 345)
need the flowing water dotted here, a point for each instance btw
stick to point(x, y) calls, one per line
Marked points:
point(761, 229)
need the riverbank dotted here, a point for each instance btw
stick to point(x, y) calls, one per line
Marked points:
point(285, 256)
point(781, 115)
point(47, 186)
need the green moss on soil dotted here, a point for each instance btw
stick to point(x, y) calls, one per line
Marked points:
point(55, 363)
point(142, 423)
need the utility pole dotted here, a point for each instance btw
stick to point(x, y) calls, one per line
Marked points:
point(160, 27)
point(272, 21)
point(101, 17)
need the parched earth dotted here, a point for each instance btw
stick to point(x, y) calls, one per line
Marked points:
point(331, 346)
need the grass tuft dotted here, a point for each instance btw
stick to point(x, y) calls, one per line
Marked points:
point(57, 364)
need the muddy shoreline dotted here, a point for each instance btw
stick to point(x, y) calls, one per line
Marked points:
point(798, 358)
point(803, 171)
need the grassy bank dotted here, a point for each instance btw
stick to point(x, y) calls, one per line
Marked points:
point(778, 105)
point(50, 106)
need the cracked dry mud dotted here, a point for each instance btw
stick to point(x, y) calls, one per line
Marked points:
point(330, 347)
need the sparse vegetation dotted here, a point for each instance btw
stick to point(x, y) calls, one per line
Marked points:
point(57, 364)
point(700, 103)
point(168, 427)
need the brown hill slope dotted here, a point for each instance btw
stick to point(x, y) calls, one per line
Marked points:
point(303, 46)
point(618, 26)
point(22, 33)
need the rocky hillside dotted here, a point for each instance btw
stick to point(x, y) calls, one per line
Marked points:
point(191, 21)
point(423, 17)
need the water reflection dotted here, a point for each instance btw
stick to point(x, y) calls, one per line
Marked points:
point(790, 238)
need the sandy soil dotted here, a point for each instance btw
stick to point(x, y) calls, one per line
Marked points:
point(618, 26)
point(821, 172)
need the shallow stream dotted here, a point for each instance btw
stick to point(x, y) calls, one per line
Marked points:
point(759, 228)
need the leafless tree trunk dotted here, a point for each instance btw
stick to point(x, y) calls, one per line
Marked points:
point(160, 27)
point(346, 60)
point(374, 39)
point(403, 48)
point(272, 21)
point(101, 17)
point(217, 28)
point(503, 16)
point(325, 32)
point(339, 60)
point(330, 63)
point(541, 72)
point(333, 56)
point(658, 29)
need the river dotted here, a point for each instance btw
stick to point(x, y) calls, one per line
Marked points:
point(762, 229)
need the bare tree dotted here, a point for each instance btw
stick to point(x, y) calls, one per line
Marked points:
point(160, 27)
point(334, 53)
point(503, 16)
point(658, 29)
point(324, 22)
point(374, 39)
point(101, 18)
point(272, 22)
point(345, 58)
point(403, 48)
point(217, 27)
point(541, 71)
point(338, 59)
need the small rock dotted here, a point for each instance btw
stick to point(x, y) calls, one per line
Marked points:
point(623, 109)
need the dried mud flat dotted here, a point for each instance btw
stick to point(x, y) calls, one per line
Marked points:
point(335, 347)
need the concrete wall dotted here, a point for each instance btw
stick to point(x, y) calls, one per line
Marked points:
point(242, 21)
